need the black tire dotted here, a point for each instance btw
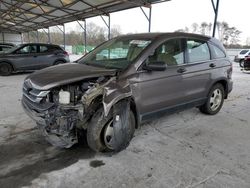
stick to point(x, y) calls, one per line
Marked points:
point(242, 63)
point(59, 62)
point(5, 69)
point(210, 107)
point(96, 128)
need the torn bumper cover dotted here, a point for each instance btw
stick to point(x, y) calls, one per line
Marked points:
point(31, 110)
point(59, 129)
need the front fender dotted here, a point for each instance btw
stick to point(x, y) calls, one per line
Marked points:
point(113, 93)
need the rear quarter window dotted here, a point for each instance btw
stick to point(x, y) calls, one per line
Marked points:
point(217, 52)
point(55, 48)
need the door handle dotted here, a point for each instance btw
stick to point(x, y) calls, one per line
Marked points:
point(181, 70)
point(212, 65)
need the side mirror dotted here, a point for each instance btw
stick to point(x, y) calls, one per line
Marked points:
point(155, 66)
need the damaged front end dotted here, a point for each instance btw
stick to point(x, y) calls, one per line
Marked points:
point(63, 111)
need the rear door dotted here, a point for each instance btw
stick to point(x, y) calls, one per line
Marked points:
point(198, 70)
point(46, 56)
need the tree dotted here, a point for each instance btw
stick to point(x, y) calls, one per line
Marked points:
point(95, 35)
point(115, 31)
point(228, 35)
point(248, 41)
point(195, 27)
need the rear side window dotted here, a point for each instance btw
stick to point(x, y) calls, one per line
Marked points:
point(44, 49)
point(217, 52)
point(197, 51)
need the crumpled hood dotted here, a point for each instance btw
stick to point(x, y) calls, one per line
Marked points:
point(48, 78)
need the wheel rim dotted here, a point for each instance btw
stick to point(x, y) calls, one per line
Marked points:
point(109, 134)
point(215, 99)
point(4, 69)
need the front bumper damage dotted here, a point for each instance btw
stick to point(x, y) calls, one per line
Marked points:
point(60, 124)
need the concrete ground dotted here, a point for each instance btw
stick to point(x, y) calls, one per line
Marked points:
point(186, 149)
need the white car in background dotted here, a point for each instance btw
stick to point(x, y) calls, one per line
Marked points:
point(241, 56)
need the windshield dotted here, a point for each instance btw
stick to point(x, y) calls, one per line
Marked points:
point(116, 54)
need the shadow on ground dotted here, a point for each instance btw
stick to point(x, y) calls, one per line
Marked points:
point(34, 156)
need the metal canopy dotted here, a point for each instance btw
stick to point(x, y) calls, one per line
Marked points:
point(20, 16)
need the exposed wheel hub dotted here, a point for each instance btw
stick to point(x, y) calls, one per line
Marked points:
point(109, 135)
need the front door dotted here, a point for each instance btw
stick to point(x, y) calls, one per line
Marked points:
point(162, 90)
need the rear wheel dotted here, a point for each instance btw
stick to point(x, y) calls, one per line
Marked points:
point(214, 101)
point(5, 69)
point(100, 132)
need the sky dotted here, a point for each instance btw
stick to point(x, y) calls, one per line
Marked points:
point(176, 14)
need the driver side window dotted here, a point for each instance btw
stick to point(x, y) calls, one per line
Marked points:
point(169, 52)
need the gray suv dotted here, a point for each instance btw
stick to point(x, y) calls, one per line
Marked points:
point(31, 56)
point(141, 77)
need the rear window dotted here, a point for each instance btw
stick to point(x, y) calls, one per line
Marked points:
point(243, 52)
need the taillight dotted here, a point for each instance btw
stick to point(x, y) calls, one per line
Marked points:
point(247, 58)
point(65, 53)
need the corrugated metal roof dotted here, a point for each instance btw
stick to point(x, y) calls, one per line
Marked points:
point(29, 15)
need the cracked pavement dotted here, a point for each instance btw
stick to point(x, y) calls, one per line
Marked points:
point(183, 150)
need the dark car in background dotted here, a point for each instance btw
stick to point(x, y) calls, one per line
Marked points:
point(140, 77)
point(31, 56)
point(246, 65)
point(5, 47)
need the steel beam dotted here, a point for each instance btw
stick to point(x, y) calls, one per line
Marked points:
point(148, 17)
point(3, 37)
point(216, 10)
point(63, 31)
point(21, 38)
point(107, 23)
point(49, 36)
point(28, 36)
point(85, 34)
point(37, 36)
point(64, 37)
point(47, 33)
point(85, 37)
